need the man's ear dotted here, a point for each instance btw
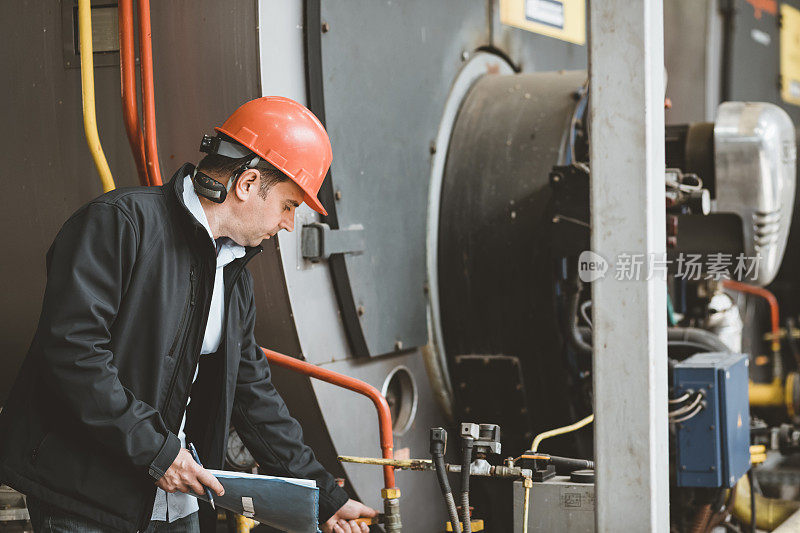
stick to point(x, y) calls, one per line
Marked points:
point(248, 183)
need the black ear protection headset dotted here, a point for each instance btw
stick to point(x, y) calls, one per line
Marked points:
point(208, 187)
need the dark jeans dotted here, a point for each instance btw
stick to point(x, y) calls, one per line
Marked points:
point(48, 519)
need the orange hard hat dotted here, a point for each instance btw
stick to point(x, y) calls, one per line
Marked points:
point(289, 136)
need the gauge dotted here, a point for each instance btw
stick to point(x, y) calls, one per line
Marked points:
point(237, 453)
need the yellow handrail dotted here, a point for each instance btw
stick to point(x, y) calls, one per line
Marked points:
point(87, 92)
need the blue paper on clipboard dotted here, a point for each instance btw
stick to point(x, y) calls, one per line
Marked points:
point(287, 504)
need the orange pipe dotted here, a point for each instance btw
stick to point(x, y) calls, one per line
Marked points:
point(148, 98)
point(771, 300)
point(127, 67)
point(355, 385)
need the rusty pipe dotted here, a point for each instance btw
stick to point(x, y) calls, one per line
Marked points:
point(355, 385)
point(127, 68)
point(148, 97)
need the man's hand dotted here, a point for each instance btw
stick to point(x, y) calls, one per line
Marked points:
point(344, 519)
point(185, 474)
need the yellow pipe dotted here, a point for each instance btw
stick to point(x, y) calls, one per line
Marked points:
point(789, 396)
point(767, 394)
point(528, 482)
point(87, 91)
point(777, 393)
point(560, 431)
point(770, 512)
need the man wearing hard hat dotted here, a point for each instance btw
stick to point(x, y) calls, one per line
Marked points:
point(147, 300)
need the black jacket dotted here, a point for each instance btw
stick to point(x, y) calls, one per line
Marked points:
point(91, 421)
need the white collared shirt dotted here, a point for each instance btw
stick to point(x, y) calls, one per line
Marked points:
point(172, 507)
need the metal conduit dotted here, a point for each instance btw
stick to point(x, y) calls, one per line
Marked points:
point(355, 385)
point(127, 67)
point(148, 98)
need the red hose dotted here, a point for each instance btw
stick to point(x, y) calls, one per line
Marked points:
point(355, 385)
point(773, 306)
point(127, 67)
point(148, 98)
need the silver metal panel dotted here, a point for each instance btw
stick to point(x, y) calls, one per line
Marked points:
point(383, 104)
point(314, 308)
point(353, 425)
point(556, 505)
point(628, 216)
point(754, 155)
point(347, 419)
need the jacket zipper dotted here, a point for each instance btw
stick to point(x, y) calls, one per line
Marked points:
point(182, 333)
point(188, 312)
point(193, 301)
point(147, 509)
point(35, 452)
point(190, 302)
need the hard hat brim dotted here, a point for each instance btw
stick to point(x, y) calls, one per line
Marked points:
point(314, 204)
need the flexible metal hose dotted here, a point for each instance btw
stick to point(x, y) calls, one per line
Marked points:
point(444, 485)
point(467, 519)
point(466, 459)
point(701, 519)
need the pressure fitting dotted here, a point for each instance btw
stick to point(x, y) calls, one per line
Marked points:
point(438, 441)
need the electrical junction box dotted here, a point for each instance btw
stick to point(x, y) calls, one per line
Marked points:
point(714, 445)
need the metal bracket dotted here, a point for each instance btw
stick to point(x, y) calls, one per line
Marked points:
point(318, 241)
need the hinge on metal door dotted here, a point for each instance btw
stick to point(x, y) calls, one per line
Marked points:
point(318, 241)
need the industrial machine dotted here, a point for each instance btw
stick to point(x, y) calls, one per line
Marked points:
point(451, 276)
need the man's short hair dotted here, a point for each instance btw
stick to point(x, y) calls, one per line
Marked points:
point(221, 168)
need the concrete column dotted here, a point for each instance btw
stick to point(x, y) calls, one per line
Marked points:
point(626, 70)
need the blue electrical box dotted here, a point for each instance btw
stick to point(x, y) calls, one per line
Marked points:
point(714, 445)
